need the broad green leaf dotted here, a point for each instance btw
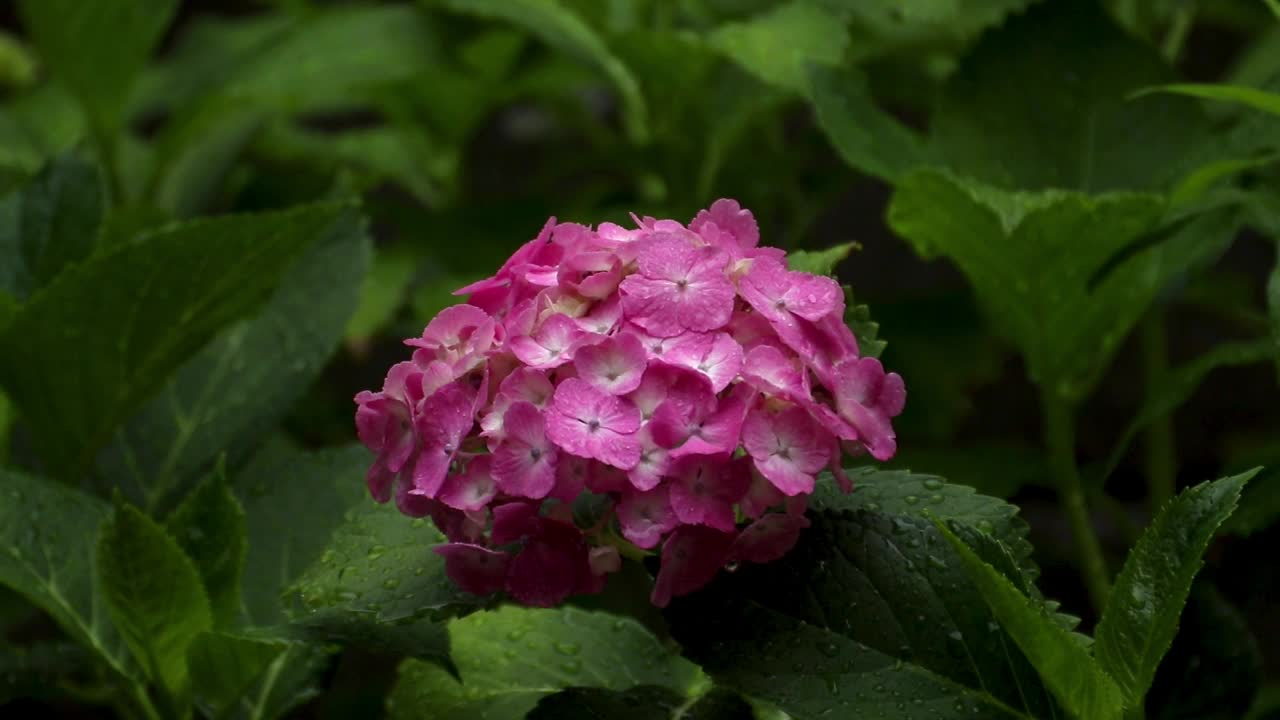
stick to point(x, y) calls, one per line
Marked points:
point(35, 126)
point(871, 608)
point(17, 66)
point(232, 392)
point(50, 224)
point(642, 702)
point(779, 43)
point(561, 28)
point(820, 262)
point(48, 553)
point(510, 658)
point(225, 668)
point(91, 346)
point(383, 293)
point(380, 562)
point(210, 527)
point(1051, 267)
point(1259, 504)
point(1043, 102)
point(1179, 384)
point(421, 639)
point(155, 596)
point(1261, 100)
point(865, 136)
point(1141, 616)
point(282, 541)
point(915, 26)
point(290, 680)
point(96, 48)
point(1063, 662)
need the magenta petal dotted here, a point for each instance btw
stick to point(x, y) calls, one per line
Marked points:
point(513, 521)
point(524, 464)
point(547, 570)
point(470, 489)
point(731, 218)
point(589, 423)
point(614, 365)
point(691, 557)
point(705, 489)
point(475, 569)
point(646, 516)
point(769, 538)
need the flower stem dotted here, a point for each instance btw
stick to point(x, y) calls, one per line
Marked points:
point(1158, 456)
point(1059, 433)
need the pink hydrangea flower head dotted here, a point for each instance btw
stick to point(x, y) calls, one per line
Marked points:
point(660, 389)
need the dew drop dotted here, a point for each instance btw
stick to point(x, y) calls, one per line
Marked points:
point(933, 484)
point(567, 648)
point(911, 499)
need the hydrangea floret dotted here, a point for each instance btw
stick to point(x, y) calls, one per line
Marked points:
point(680, 380)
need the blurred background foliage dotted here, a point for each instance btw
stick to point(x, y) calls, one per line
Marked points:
point(462, 124)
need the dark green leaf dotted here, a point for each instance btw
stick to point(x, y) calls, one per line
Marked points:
point(155, 595)
point(871, 612)
point(91, 346)
point(210, 527)
point(1261, 100)
point(1259, 504)
point(282, 541)
point(866, 330)
point(421, 639)
point(48, 534)
point(96, 48)
point(820, 262)
point(51, 223)
point(1179, 384)
point(225, 397)
point(562, 29)
point(867, 137)
point(1141, 616)
point(1043, 102)
point(510, 658)
point(642, 702)
point(1063, 662)
point(224, 668)
point(779, 43)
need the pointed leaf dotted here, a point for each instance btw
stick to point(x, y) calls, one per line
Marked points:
point(1062, 661)
point(155, 595)
point(820, 262)
point(510, 658)
point(49, 554)
point(224, 668)
point(778, 44)
point(232, 392)
point(1261, 100)
point(865, 136)
point(1142, 613)
point(210, 527)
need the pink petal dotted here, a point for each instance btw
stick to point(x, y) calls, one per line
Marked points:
point(551, 345)
point(646, 516)
point(614, 364)
point(524, 464)
point(547, 569)
point(768, 538)
point(813, 297)
point(589, 423)
point(705, 489)
point(867, 397)
point(760, 496)
point(475, 569)
point(603, 317)
point(678, 287)
point(715, 355)
point(514, 521)
point(691, 557)
point(446, 418)
point(653, 463)
point(471, 489)
point(787, 446)
point(769, 370)
point(730, 218)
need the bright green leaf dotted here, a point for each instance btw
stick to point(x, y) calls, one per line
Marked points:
point(97, 48)
point(509, 658)
point(1062, 661)
point(155, 596)
point(1267, 102)
point(820, 262)
point(228, 395)
point(865, 136)
point(225, 668)
point(779, 43)
point(48, 553)
point(210, 527)
point(560, 28)
point(1142, 613)
point(91, 346)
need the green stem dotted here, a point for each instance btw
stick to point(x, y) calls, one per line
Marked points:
point(1059, 434)
point(105, 140)
point(1159, 460)
point(1176, 36)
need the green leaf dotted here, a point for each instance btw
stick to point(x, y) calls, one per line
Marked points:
point(820, 262)
point(380, 562)
point(1141, 616)
point(155, 596)
point(383, 293)
point(1259, 505)
point(919, 26)
point(1063, 662)
point(866, 330)
point(224, 668)
point(559, 27)
point(865, 136)
point(510, 658)
point(48, 553)
point(235, 390)
point(871, 608)
point(1043, 102)
point(1048, 266)
point(210, 527)
point(91, 346)
point(283, 542)
point(642, 702)
point(1179, 384)
point(779, 43)
point(50, 224)
point(1261, 100)
point(421, 639)
point(96, 48)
